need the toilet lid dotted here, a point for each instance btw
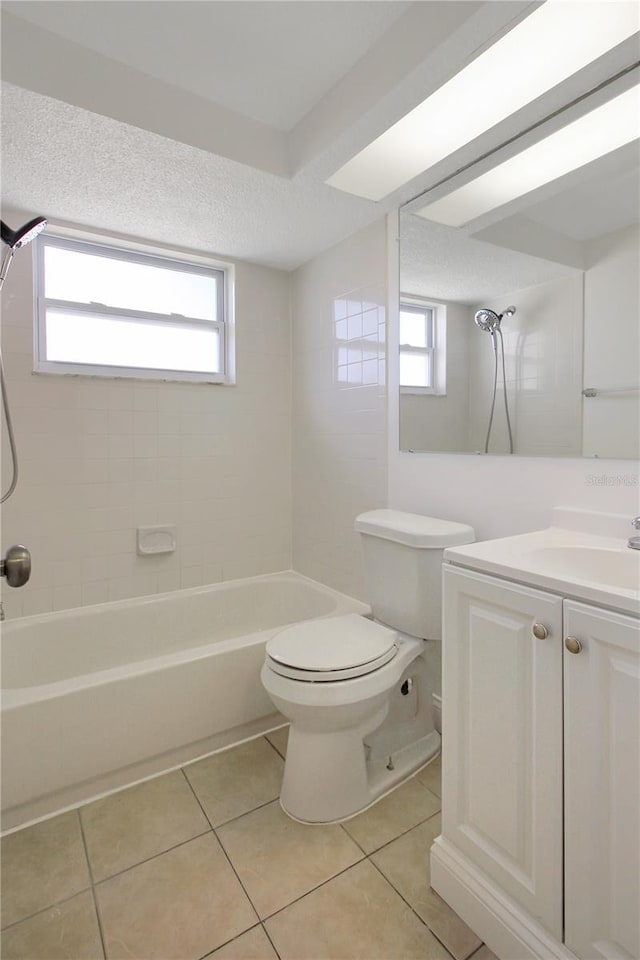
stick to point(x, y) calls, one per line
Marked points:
point(334, 648)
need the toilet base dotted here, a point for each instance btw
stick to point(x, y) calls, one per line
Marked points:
point(352, 786)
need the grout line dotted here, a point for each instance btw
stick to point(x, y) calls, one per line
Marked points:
point(281, 755)
point(57, 903)
point(228, 858)
point(353, 840)
point(240, 815)
point(266, 933)
point(472, 955)
point(313, 889)
point(227, 942)
point(93, 889)
point(413, 910)
point(393, 839)
point(155, 856)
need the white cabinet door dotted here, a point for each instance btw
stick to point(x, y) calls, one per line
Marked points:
point(502, 736)
point(602, 777)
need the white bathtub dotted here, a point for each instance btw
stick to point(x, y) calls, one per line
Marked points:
point(99, 697)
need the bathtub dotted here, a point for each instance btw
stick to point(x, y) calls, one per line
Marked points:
point(100, 697)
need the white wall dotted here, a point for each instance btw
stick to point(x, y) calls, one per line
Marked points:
point(339, 404)
point(98, 457)
point(612, 344)
point(497, 495)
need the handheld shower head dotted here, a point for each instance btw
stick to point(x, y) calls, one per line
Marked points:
point(24, 234)
point(487, 320)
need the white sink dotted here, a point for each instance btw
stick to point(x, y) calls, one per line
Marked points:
point(612, 567)
point(573, 562)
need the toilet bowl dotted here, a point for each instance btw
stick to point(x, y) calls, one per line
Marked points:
point(358, 692)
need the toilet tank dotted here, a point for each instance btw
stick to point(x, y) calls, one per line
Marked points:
point(402, 563)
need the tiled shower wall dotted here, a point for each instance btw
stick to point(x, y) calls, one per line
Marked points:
point(99, 457)
point(339, 425)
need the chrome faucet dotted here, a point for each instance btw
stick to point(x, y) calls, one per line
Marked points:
point(634, 542)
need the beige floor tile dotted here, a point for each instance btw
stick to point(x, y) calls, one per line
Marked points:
point(253, 945)
point(279, 860)
point(279, 739)
point(182, 904)
point(233, 782)
point(135, 824)
point(405, 863)
point(42, 865)
point(356, 915)
point(431, 776)
point(68, 931)
point(402, 809)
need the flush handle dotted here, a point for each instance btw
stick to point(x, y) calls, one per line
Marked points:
point(540, 632)
point(573, 645)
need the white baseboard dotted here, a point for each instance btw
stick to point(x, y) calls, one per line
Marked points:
point(504, 926)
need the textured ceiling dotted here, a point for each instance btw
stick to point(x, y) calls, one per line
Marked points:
point(75, 166)
point(442, 263)
point(270, 60)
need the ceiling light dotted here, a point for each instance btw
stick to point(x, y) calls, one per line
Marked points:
point(554, 42)
point(605, 129)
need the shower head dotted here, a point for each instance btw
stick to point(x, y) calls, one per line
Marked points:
point(487, 320)
point(15, 239)
point(24, 234)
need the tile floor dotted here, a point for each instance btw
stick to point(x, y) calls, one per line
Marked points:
point(203, 863)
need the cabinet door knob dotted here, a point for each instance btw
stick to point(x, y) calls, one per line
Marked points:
point(573, 645)
point(540, 632)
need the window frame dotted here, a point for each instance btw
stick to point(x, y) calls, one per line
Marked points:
point(133, 253)
point(436, 353)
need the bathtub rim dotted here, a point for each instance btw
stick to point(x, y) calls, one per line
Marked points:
point(15, 697)
point(145, 599)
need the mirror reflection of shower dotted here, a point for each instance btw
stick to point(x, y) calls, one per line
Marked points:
point(490, 322)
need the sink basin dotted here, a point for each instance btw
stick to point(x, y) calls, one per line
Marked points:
point(614, 568)
point(583, 556)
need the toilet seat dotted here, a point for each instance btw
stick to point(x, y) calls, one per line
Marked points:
point(334, 648)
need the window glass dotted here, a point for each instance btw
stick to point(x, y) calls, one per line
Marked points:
point(86, 277)
point(108, 311)
point(414, 370)
point(89, 339)
point(415, 328)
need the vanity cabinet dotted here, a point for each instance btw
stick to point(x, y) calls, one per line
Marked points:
point(502, 736)
point(602, 784)
point(540, 768)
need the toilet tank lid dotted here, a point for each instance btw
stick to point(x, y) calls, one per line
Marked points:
point(414, 530)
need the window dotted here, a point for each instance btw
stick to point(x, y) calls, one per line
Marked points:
point(422, 347)
point(108, 311)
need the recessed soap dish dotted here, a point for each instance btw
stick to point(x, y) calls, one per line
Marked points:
point(151, 540)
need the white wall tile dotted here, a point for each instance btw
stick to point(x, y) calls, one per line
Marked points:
point(99, 457)
point(339, 418)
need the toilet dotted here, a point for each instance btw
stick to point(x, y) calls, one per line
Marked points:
point(358, 692)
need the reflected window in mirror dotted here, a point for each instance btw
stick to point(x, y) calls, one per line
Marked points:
point(422, 346)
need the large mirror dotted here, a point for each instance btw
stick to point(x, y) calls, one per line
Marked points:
point(523, 337)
